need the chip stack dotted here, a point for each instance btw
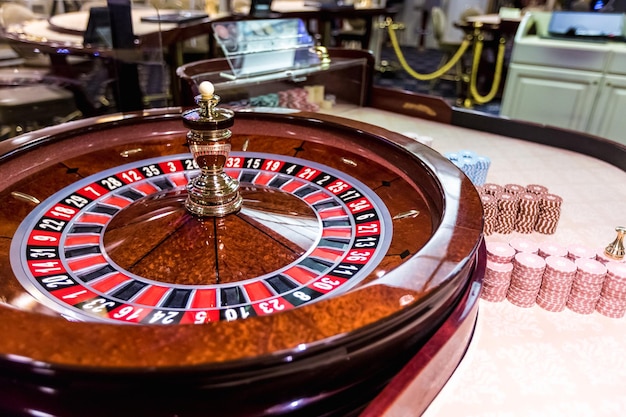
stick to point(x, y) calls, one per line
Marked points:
point(612, 301)
point(296, 98)
point(524, 209)
point(498, 272)
point(315, 93)
point(474, 166)
point(507, 213)
point(549, 213)
point(266, 100)
point(528, 211)
point(554, 277)
point(526, 279)
point(586, 286)
point(490, 212)
point(496, 281)
point(556, 283)
point(482, 163)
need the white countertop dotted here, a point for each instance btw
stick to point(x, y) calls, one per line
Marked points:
point(526, 362)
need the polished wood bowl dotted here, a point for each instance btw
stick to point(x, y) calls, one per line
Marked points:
point(330, 357)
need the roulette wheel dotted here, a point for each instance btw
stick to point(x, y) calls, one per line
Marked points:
point(352, 249)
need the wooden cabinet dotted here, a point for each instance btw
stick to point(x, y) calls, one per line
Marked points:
point(552, 96)
point(572, 84)
point(608, 119)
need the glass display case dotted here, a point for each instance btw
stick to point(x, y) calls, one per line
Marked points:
point(255, 47)
point(275, 63)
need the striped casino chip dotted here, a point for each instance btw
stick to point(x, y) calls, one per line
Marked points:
point(537, 189)
point(493, 189)
point(549, 214)
point(490, 212)
point(507, 213)
point(586, 286)
point(514, 189)
point(551, 201)
point(500, 252)
point(556, 283)
point(577, 250)
point(298, 99)
point(526, 279)
point(523, 244)
point(528, 204)
point(551, 249)
point(612, 301)
point(496, 281)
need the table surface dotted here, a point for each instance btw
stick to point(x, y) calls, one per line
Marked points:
point(68, 27)
point(77, 21)
point(527, 361)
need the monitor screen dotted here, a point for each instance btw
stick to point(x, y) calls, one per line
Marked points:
point(586, 25)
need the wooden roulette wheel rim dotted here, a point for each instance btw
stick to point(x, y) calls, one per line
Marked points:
point(310, 360)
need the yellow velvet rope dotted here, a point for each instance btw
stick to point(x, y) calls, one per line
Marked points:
point(478, 49)
point(424, 77)
point(476, 96)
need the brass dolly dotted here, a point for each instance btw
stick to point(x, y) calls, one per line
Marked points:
point(615, 250)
